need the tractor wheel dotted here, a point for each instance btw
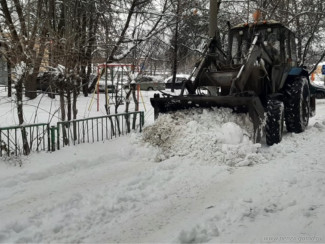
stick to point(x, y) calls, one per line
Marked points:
point(297, 105)
point(274, 122)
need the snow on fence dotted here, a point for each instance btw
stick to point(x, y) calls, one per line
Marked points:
point(21, 140)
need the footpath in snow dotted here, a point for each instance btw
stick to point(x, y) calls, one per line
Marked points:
point(191, 177)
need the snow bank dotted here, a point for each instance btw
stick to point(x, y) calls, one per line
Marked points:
point(214, 135)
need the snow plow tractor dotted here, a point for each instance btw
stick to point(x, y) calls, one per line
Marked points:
point(258, 75)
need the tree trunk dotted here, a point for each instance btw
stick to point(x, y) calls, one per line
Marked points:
point(75, 112)
point(30, 86)
point(135, 98)
point(127, 104)
point(9, 78)
point(69, 105)
point(62, 107)
point(298, 34)
point(19, 94)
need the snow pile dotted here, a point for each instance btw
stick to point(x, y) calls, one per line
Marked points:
point(211, 135)
point(199, 233)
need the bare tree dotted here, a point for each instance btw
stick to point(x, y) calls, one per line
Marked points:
point(23, 35)
point(25, 28)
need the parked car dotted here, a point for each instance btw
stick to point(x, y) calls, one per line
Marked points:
point(46, 82)
point(149, 83)
point(43, 81)
point(180, 78)
point(110, 87)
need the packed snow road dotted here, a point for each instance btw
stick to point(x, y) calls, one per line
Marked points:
point(190, 177)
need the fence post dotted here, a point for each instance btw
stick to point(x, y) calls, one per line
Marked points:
point(48, 130)
point(53, 129)
point(58, 137)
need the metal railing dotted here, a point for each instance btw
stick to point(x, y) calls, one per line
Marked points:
point(18, 140)
point(96, 129)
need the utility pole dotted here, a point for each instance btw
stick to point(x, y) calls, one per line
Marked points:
point(248, 11)
point(175, 46)
point(213, 17)
point(106, 75)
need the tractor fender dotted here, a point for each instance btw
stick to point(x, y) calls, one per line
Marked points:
point(297, 72)
point(315, 91)
point(291, 73)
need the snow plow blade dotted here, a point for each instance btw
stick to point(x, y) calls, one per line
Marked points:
point(240, 104)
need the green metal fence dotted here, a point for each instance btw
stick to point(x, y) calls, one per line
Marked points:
point(18, 140)
point(96, 129)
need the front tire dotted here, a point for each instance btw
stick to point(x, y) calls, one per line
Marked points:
point(297, 105)
point(274, 122)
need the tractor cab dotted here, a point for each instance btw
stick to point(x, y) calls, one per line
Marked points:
point(278, 53)
point(278, 42)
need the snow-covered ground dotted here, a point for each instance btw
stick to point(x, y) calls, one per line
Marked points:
point(189, 177)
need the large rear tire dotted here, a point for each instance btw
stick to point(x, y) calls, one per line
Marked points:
point(297, 105)
point(274, 122)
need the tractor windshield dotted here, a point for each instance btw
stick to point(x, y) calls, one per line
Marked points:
point(241, 40)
